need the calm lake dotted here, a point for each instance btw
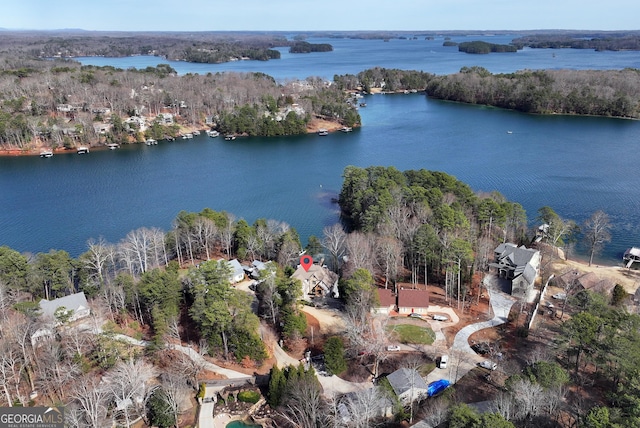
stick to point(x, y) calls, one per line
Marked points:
point(576, 165)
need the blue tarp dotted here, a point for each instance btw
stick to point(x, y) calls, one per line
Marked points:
point(435, 388)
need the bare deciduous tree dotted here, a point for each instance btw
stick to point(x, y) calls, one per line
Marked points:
point(176, 392)
point(596, 232)
point(389, 256)
point(129, 387)
point(92, 398)
point(334, 238)
point(504, 405)
point(303, 405)
point(97, 260)
point(360, 252)
point(529, 399)
point(365, 408)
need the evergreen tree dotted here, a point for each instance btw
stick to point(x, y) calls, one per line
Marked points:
point(334, 355)
point(277, 384)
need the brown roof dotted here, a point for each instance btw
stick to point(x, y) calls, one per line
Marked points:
point(587, 281)
point(410, 298)
point(386, 297)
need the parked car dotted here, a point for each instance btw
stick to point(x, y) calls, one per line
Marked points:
point(393, 348)
point(488, 364)
point(443, 361)
point(481, 348)
point(440, 318)
point(414, 315)
point(560, 296)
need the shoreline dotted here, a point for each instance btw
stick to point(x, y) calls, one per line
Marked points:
point(312, 128)
point(627, 278)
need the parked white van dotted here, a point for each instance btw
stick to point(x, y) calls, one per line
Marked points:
point(440, 318)
point(443, 361)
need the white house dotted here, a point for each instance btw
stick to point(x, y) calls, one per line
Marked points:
point(237, 271)
point(74, 304)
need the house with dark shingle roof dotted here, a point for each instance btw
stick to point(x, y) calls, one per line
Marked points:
point(413, 301)
point(520, 265)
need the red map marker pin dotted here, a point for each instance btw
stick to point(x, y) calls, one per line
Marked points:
point(306, 262)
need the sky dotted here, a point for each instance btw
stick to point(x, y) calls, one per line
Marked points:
point(331, 15)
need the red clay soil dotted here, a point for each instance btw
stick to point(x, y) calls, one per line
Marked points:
point(475, 309)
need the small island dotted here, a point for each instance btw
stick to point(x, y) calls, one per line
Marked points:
point(480, 47)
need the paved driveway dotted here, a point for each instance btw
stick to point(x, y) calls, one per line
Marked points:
point(462, 358)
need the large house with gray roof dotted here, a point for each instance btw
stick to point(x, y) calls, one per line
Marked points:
point(74, 304)
point(520, 265)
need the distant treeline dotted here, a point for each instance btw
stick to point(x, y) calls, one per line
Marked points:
point(598, 41)
point(583, 92)
point(480, 47)
point(203, 47)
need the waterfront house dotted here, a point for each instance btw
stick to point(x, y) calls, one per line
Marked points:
point(575, 281)
point(520, 265)
point(412, 301)
point(136, 122)
point(75, 305)
point(237, 271)
point(318, 281)
point(101, 128)
point(408, 385)
point(165, 118)
point(256, 268)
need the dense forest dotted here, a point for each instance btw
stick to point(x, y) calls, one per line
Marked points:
point(583, 92)
point(306, 47)
point(480, 47)
point(426, 223)
point(599, 41)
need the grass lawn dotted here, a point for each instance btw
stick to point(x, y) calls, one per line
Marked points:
point(409, 333)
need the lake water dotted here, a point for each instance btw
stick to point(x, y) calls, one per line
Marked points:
point(576, 165)
point(240, 424)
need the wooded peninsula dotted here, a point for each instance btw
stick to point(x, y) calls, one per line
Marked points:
point(56, 103)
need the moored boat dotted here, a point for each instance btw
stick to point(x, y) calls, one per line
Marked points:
point(187, 136)
point(46, 154)
point(323, 132)
point(151, 141)
point(346, 129)
point(113, 146)
point(213, 134)
point(230, 137)
point(196, 132)
point(83, 150)
point(630, 256)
